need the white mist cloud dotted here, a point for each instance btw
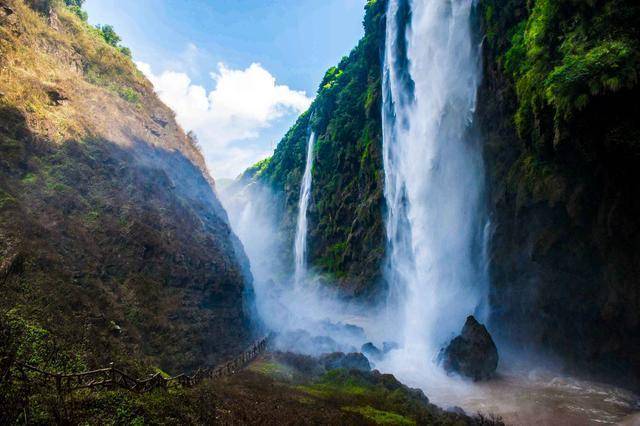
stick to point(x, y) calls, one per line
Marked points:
point(230, 118)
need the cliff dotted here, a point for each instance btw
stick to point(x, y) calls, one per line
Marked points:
point(558, 109)
point(558, 114)
point(346, 231)
point(112, 239)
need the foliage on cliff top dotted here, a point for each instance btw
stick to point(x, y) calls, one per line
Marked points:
point(567, 53)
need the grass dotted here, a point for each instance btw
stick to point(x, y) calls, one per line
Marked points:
point(37, 71)
point(6, 199)
point(29, 179)
point(380, 417)
point(337, 383)
point(269, 368)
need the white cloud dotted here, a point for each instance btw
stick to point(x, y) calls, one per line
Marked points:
point(230, 118)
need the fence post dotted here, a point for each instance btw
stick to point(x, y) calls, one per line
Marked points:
point(112, 373)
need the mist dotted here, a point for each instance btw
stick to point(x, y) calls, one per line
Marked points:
point(307, 316)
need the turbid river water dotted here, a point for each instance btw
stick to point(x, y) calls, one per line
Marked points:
point(540, 397)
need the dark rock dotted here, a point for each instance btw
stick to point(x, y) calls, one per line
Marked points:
point(371, 351)
point(342, 331)
point(305, 364)
point(159, 120)
point(57, 98)
point(352, 361)
point(5, 11)
point(472, 354)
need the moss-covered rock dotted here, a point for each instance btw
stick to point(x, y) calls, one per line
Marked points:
point(558, 109)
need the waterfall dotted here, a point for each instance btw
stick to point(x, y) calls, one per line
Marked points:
point(300, 244)
point(433, 173)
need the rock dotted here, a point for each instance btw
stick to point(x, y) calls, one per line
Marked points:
point(5, 11)
point(57, 97)
point(472, 354)
point(389, 346)
point(114, 328)
point(456, 410)
point(371, 351)
point(352, 361)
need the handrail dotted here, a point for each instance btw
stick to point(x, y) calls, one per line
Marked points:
point(113, 377)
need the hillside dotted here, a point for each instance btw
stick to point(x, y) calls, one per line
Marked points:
point(113, 245)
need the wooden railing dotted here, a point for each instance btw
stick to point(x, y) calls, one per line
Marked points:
point(111, 377)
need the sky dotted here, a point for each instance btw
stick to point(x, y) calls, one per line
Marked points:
point(236, 72)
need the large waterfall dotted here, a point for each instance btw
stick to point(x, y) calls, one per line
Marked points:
point(300, 244)
point(433, 172)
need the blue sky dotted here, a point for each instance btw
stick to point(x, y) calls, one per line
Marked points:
point(234, 70)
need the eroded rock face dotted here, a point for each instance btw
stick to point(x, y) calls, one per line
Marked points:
point(472, 354)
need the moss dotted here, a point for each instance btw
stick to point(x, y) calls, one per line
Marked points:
point(129, 95)
point(565, 55)
point(6, 199)
point(92, 216)
point(271, 369)
point(338, 383)
point(608, 67)
point(380, 417)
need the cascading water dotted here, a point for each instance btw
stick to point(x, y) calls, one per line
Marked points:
point(300, 244)
point(433, 173)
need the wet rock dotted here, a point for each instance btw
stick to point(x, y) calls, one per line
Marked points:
point(343, 331)
point(472, 354)
point(371, 351)
point(351, 361)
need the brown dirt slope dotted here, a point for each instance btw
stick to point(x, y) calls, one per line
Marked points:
point(111, 234)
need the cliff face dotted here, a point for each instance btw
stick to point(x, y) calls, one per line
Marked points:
point(558, 113)
point(111, 234)
point(346, 230)
point(558, 108)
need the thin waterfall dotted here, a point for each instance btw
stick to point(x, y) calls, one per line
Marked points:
point(300, 244)
point(433, 172)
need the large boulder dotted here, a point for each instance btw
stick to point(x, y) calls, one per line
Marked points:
point(472, 354)
point(351, 361)
point(371, 351)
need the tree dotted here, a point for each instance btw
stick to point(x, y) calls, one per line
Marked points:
point(109, 35)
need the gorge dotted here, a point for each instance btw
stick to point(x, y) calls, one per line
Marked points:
point(467, 158)
point(420, 104)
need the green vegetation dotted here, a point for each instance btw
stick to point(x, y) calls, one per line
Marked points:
point(256, 171)
point(380, 417)
point(558, 109)
point(566, 54)
point(346, 202)
point(112, 38)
